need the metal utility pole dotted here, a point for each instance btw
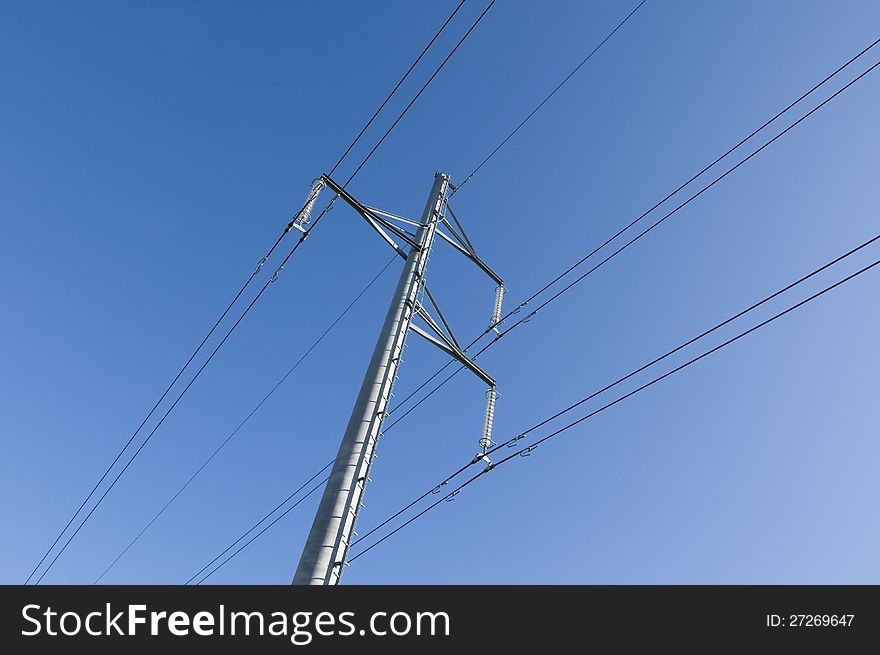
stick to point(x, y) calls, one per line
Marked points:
point(324, 553)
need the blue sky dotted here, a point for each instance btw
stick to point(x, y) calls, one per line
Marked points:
point(151, 152)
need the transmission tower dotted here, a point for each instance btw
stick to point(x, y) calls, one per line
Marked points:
point(324, 555)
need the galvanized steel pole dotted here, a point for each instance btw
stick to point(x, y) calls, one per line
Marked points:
point(323, 556)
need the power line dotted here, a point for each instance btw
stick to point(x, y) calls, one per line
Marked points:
point(182, 393)
point(247, 418)
point(422, 386)
point(396, 87)
point(407, 108)
point(550, 95)
point(583, 276)
point(180, 396)
point(689, 200)
point(165, 392)
point(686, 183)
point(620, 380)
point(170, 409)
point(422, 90)
point(251, 540)
point(528, 449)
point(247, 532)
point(629, 375)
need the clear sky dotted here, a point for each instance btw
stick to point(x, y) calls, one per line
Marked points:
point(151, 152)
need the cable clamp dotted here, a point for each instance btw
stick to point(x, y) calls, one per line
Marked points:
point(512, 442)
point(260, 265)
point(528, 451)
point(275, 274)
point(452, 495)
